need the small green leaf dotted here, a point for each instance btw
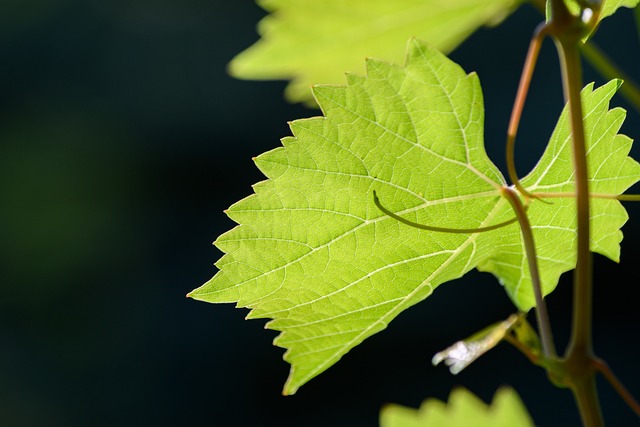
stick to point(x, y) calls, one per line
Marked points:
point(463, 353)
point(313, 42)
point(314, 253)
point(463, 410)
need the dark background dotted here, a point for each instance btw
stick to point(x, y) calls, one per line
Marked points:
point(122, 139)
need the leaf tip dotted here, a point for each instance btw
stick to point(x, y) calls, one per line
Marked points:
point(231, 67)
point(618, 83)
point(288, 389)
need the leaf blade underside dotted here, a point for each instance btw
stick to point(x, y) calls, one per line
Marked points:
point(313, 253)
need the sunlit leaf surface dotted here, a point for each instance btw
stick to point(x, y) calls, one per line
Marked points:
point(312, 251)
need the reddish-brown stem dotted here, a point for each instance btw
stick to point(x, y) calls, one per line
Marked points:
point(518, 106)
point(602, 367)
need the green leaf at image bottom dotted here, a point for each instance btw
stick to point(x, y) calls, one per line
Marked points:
point(464, 409)
point(314, 253)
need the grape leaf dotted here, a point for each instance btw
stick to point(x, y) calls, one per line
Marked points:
point(314, 253)
point(609, 7)
point(464, 409)
point(315, 42)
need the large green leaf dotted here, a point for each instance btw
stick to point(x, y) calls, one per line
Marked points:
point(315, 254)
point(313, 42)
point(464, 409)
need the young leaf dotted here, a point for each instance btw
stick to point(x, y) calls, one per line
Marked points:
point(314, 42)
point(315, 254)
point(463, 410)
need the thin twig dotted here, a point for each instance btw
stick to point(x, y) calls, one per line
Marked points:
point(521, 96)
point(602, 367)
point(542, 314)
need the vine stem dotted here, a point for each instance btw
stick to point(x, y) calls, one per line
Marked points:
point(567, 31)
point(581, 340)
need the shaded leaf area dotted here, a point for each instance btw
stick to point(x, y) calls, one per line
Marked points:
point(314, 253)
point(315, 42)
point(464, 409)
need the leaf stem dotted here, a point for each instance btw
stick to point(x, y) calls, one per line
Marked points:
point(542, 314)
point(521, 96)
